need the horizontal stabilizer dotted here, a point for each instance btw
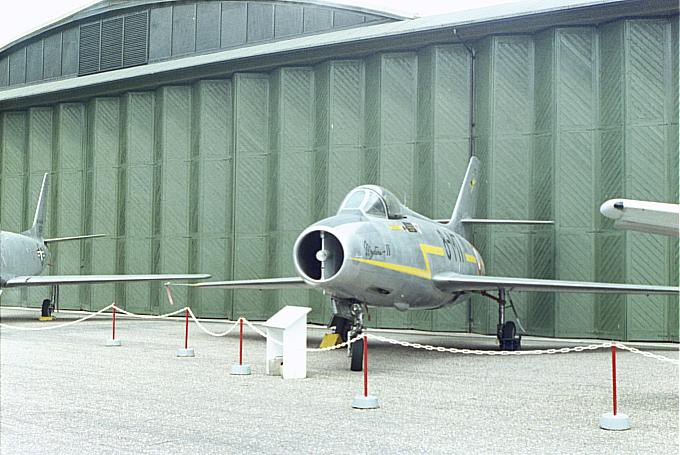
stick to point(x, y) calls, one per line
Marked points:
point(454, 282)
point(58, 280)
point(481, 221)
point(267, 283)
point(484, 221)
point(75, 237)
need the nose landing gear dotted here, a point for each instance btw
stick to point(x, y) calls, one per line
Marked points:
point(349, 323)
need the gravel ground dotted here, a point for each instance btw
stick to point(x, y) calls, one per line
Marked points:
point(63, 391)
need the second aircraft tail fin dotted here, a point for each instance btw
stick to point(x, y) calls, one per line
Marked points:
point(37, 229)
point(467, 199)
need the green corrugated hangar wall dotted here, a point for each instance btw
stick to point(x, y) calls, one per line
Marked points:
point(221, 175)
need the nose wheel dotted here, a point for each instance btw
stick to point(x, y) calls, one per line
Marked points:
point(348, 320)
point(357, 356)
point(356, 349)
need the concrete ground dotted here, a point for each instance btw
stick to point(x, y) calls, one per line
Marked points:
point(63, 391)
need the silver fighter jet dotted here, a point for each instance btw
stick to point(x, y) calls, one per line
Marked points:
point(377, 252)
point(23, 258)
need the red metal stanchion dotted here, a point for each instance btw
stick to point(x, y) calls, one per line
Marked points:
point(365, 366)
point(187, 351)
point(614, 376)
point(614, 420)
point(113, 341)
point(240, 369)
point(365, 401)
point(186, 328)
point(240, 342)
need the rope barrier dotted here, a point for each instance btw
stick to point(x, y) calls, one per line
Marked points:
point(208, 331)
point(590, 347)
point(337, 346)
point(464, 351)
point(150, 316)
point(650, 355)
point(59, 326)
point(256, 330)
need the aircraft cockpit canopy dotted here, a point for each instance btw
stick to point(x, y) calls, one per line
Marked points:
point(373, 200)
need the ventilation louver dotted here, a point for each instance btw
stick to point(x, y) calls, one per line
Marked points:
point(135, 39)
point(114, 43)
point(88, 49)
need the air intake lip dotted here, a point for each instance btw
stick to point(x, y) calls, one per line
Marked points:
point(319, 255)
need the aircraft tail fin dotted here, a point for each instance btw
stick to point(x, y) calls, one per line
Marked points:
point(467, 199)
point(36, 230)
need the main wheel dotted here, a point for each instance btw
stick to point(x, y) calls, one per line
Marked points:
point(509, 340)
point(46, 310)
point(357, 363)
point(509, 330)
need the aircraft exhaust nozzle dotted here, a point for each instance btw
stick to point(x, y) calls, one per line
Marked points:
point(318, 255)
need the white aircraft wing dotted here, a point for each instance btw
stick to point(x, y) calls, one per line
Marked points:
point(644, 216)
point(457, 282)
point(51, 280)
point(268, 283)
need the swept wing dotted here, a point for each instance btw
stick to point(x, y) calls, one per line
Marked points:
point(457, 282)
point(268, 283)
point(53, 280)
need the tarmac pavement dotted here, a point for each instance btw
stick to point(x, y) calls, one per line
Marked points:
point(63, 391)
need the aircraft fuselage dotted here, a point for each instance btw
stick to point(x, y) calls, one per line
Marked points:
point(384, 262)
point(21, 255)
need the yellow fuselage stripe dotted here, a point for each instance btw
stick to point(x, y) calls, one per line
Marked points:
point(408, 270)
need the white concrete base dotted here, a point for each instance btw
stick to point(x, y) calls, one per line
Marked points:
point(240, 369)
point(112, 342)
point(188, 352)
point(365, 402)
point(616, 422)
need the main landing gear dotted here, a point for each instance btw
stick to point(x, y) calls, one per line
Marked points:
point(506, 331)
point(349, 328)
point(48, 305)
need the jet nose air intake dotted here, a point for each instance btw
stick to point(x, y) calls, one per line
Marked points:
point(318, 255)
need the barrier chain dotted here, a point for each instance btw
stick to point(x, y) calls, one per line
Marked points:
point(58, 326)
point(337, 346)
point(590, 347)
point(407, 344)
point(208, 331)
point(149, 316)
point(650, 355)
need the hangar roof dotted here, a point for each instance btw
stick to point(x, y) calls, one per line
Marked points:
point(117, 6)
point(464, 26)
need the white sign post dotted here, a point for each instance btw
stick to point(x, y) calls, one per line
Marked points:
point(287, 340)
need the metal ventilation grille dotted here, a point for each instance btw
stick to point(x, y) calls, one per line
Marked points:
point(112, 44)
point(135, 39)
point(88, 61)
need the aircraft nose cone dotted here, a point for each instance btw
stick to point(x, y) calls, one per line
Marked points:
point(322, 255)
